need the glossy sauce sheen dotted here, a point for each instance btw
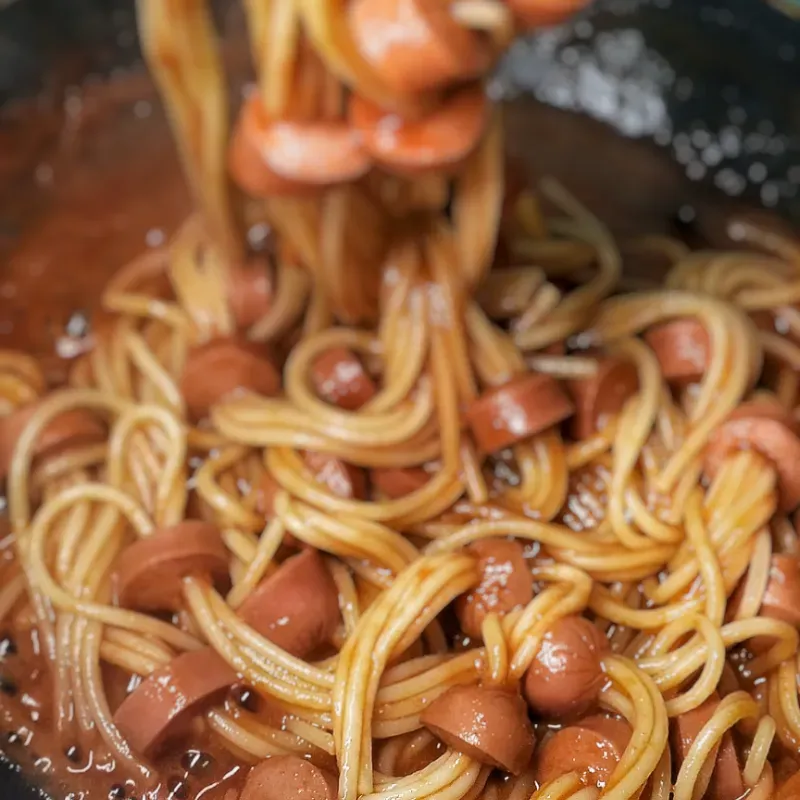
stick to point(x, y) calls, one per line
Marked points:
point(76, 203)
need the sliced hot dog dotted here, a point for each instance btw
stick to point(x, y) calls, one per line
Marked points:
point(486, 723)
point(289, 777)
point(250, 292)
point(506, 583)
point(396, 482)
point(517, 411)
point(602, 396)
point(416, 45)
point(266, 490)
point(222, 367)
point(246, 164)
point(297, 607)
point(301, 153)
point(417, 755)
point(150, 572)
point(723, 776)
point(73, 428)
point(782, 595)
point(592, 748)
point(566, 676)
point(439, 140)
point(342, 479)
point(790, 790)
point(339, 378)
point(682, 348)
point(541, 13)
point(768, 429)
point(165, 703)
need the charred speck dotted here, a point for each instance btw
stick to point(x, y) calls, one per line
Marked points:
point(195, 762)
point(73, 753)
point(117, 792)
point(7, 686)
point(178, 789)
point(247, 699)
point(7, 646)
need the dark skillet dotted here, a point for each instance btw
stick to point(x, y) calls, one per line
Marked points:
point(707, 92)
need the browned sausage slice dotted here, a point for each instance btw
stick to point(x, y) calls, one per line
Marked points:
point(416, 45)
point(73, 428)
point(284, 152)
point(566, 676)
point(246, 162)
point(682, 348)
point(602, 396)
point(297, 607)
point(150, 572)
point(225, 366)
point(339, 378)
point(417, 755)
point(517, 411)
point(782, 596)
point(442, 139)
point(592, 748)
point(396, 482)
point(342, 479)
point(768, 429)
point(163, 705)
point(486, 723)
point(505, 584)
point(790, 790)
point(724, 780)
point(266, 490)
point(289, 777)
point(249, 292)
point(541, 13)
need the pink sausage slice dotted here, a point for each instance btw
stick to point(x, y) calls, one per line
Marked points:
point(342, 479)
point(726, 782)
point(297, 607)
point(768, 429)
point(790, 789)
point(73, 428)
point(566, 676)
point(517, 411)
point(505, 584)
point(395, 482)
point(246, 162)
point(164, 704)
point(223, 367)
point(682, 348)
point(340, 379)
point(416, 45)
point(266, 490)
point(542, 13)
point(782, 596)
point(151, 571)
point(250, 291)
point(486, 723)
point(286, 152)
point(440, 140)
point(592, 748)
point(289, 777)
point(602, 396)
